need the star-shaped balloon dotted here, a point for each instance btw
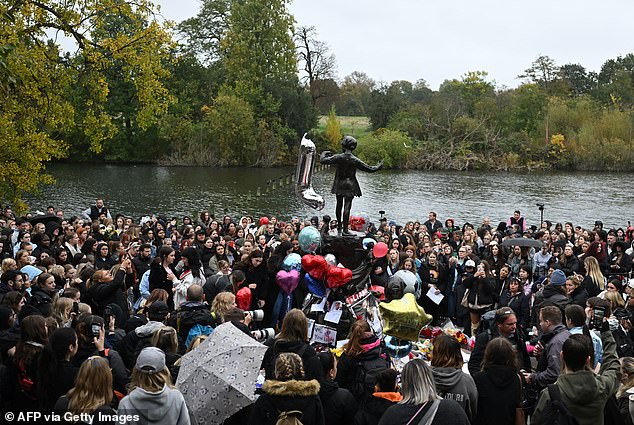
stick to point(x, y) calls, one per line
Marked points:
point(404, 318)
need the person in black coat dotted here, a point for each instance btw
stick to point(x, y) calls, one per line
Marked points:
point(363, 350)
point(162, 274)
point(433, 274)
point(339, 404)
point(499, 385)
point(385, 395)
point(92, 345)
point(293, 338)
point(42, 293)
point(506, 326)
point(515, 298)
point(289, 391)
point(482, 295)
point(105, 289)
point(576, 292)
point(56, 373)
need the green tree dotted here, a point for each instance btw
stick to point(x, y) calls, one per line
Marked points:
point(333, 130)
point(356, 90)
point(385, 145)
point(35, 110)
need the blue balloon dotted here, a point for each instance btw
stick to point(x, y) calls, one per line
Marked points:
point(397, 348)
point(292, 261)
point(309, 239)
point(315, 287)
point(367, 241)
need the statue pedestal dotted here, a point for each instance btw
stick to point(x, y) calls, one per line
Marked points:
point(348, 249)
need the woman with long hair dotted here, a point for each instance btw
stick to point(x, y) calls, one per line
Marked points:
point(92, 393)
point(482, 295)
point(219, 255)
point(162, 273)
point(21, 389)
point(151, 394)
point(421, 400)
point(192, 274)
point(293, 338)
point(499, 384)
point(594, 282)
point(451, 382)
point(56, 374)
point(222, 304)
point(288, 391)
point(105, 288)
point(626, 389)
point(103, 258)
point(514, 297)
point(361, 352)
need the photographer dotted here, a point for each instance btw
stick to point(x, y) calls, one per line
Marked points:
point(581, 391)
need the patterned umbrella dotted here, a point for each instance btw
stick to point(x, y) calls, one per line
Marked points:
point(218, 378)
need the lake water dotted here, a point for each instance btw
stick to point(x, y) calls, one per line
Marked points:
point(138, 190)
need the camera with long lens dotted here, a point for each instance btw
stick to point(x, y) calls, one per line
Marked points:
point(263, 334)
point(256, 315)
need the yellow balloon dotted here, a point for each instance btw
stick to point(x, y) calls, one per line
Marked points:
point(403, 318)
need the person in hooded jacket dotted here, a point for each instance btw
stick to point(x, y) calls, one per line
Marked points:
point(338, 403)
point(499, 385)
point(451, 382)
point(152, 397)
point(363, 350)
point(582, 391)
point(385, 395)
point(289, 391)
point(293, 338)
point(134, 341)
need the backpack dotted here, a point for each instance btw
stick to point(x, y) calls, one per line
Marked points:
point(611, 413)
point(196, 331)
point(365, 376)
point(556, 412)
point(291, 417)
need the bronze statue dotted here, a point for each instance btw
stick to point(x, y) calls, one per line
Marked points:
point(346, 186)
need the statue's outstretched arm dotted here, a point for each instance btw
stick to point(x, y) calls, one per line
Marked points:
point(368, 168)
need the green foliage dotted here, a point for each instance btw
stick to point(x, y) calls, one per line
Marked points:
point(46, 92)
point(385, 145)
point(332, 133)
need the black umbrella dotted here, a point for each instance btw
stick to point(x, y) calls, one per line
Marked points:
point(522, 242)
point(44, 218)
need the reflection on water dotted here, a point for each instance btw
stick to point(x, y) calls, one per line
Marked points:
point(176, 191)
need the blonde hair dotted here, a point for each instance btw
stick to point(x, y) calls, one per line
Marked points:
point(288, 366)
point(627, 366)
point(93, 386)
point(61, 310)
point(57, 271)
point(8, 264)
point(223, 303)
point(418, 384)
point(594, 271)
point(615, 299)
point(166, 339)
point(150, 382)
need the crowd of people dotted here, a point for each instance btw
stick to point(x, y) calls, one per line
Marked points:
point(96, 311)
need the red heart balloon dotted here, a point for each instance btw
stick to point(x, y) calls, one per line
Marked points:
point(338, 276)
point(315, 265)
point(243, 298)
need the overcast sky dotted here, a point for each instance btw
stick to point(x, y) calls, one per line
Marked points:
point(437, 40)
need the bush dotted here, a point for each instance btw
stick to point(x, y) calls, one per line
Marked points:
point(385, 145)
